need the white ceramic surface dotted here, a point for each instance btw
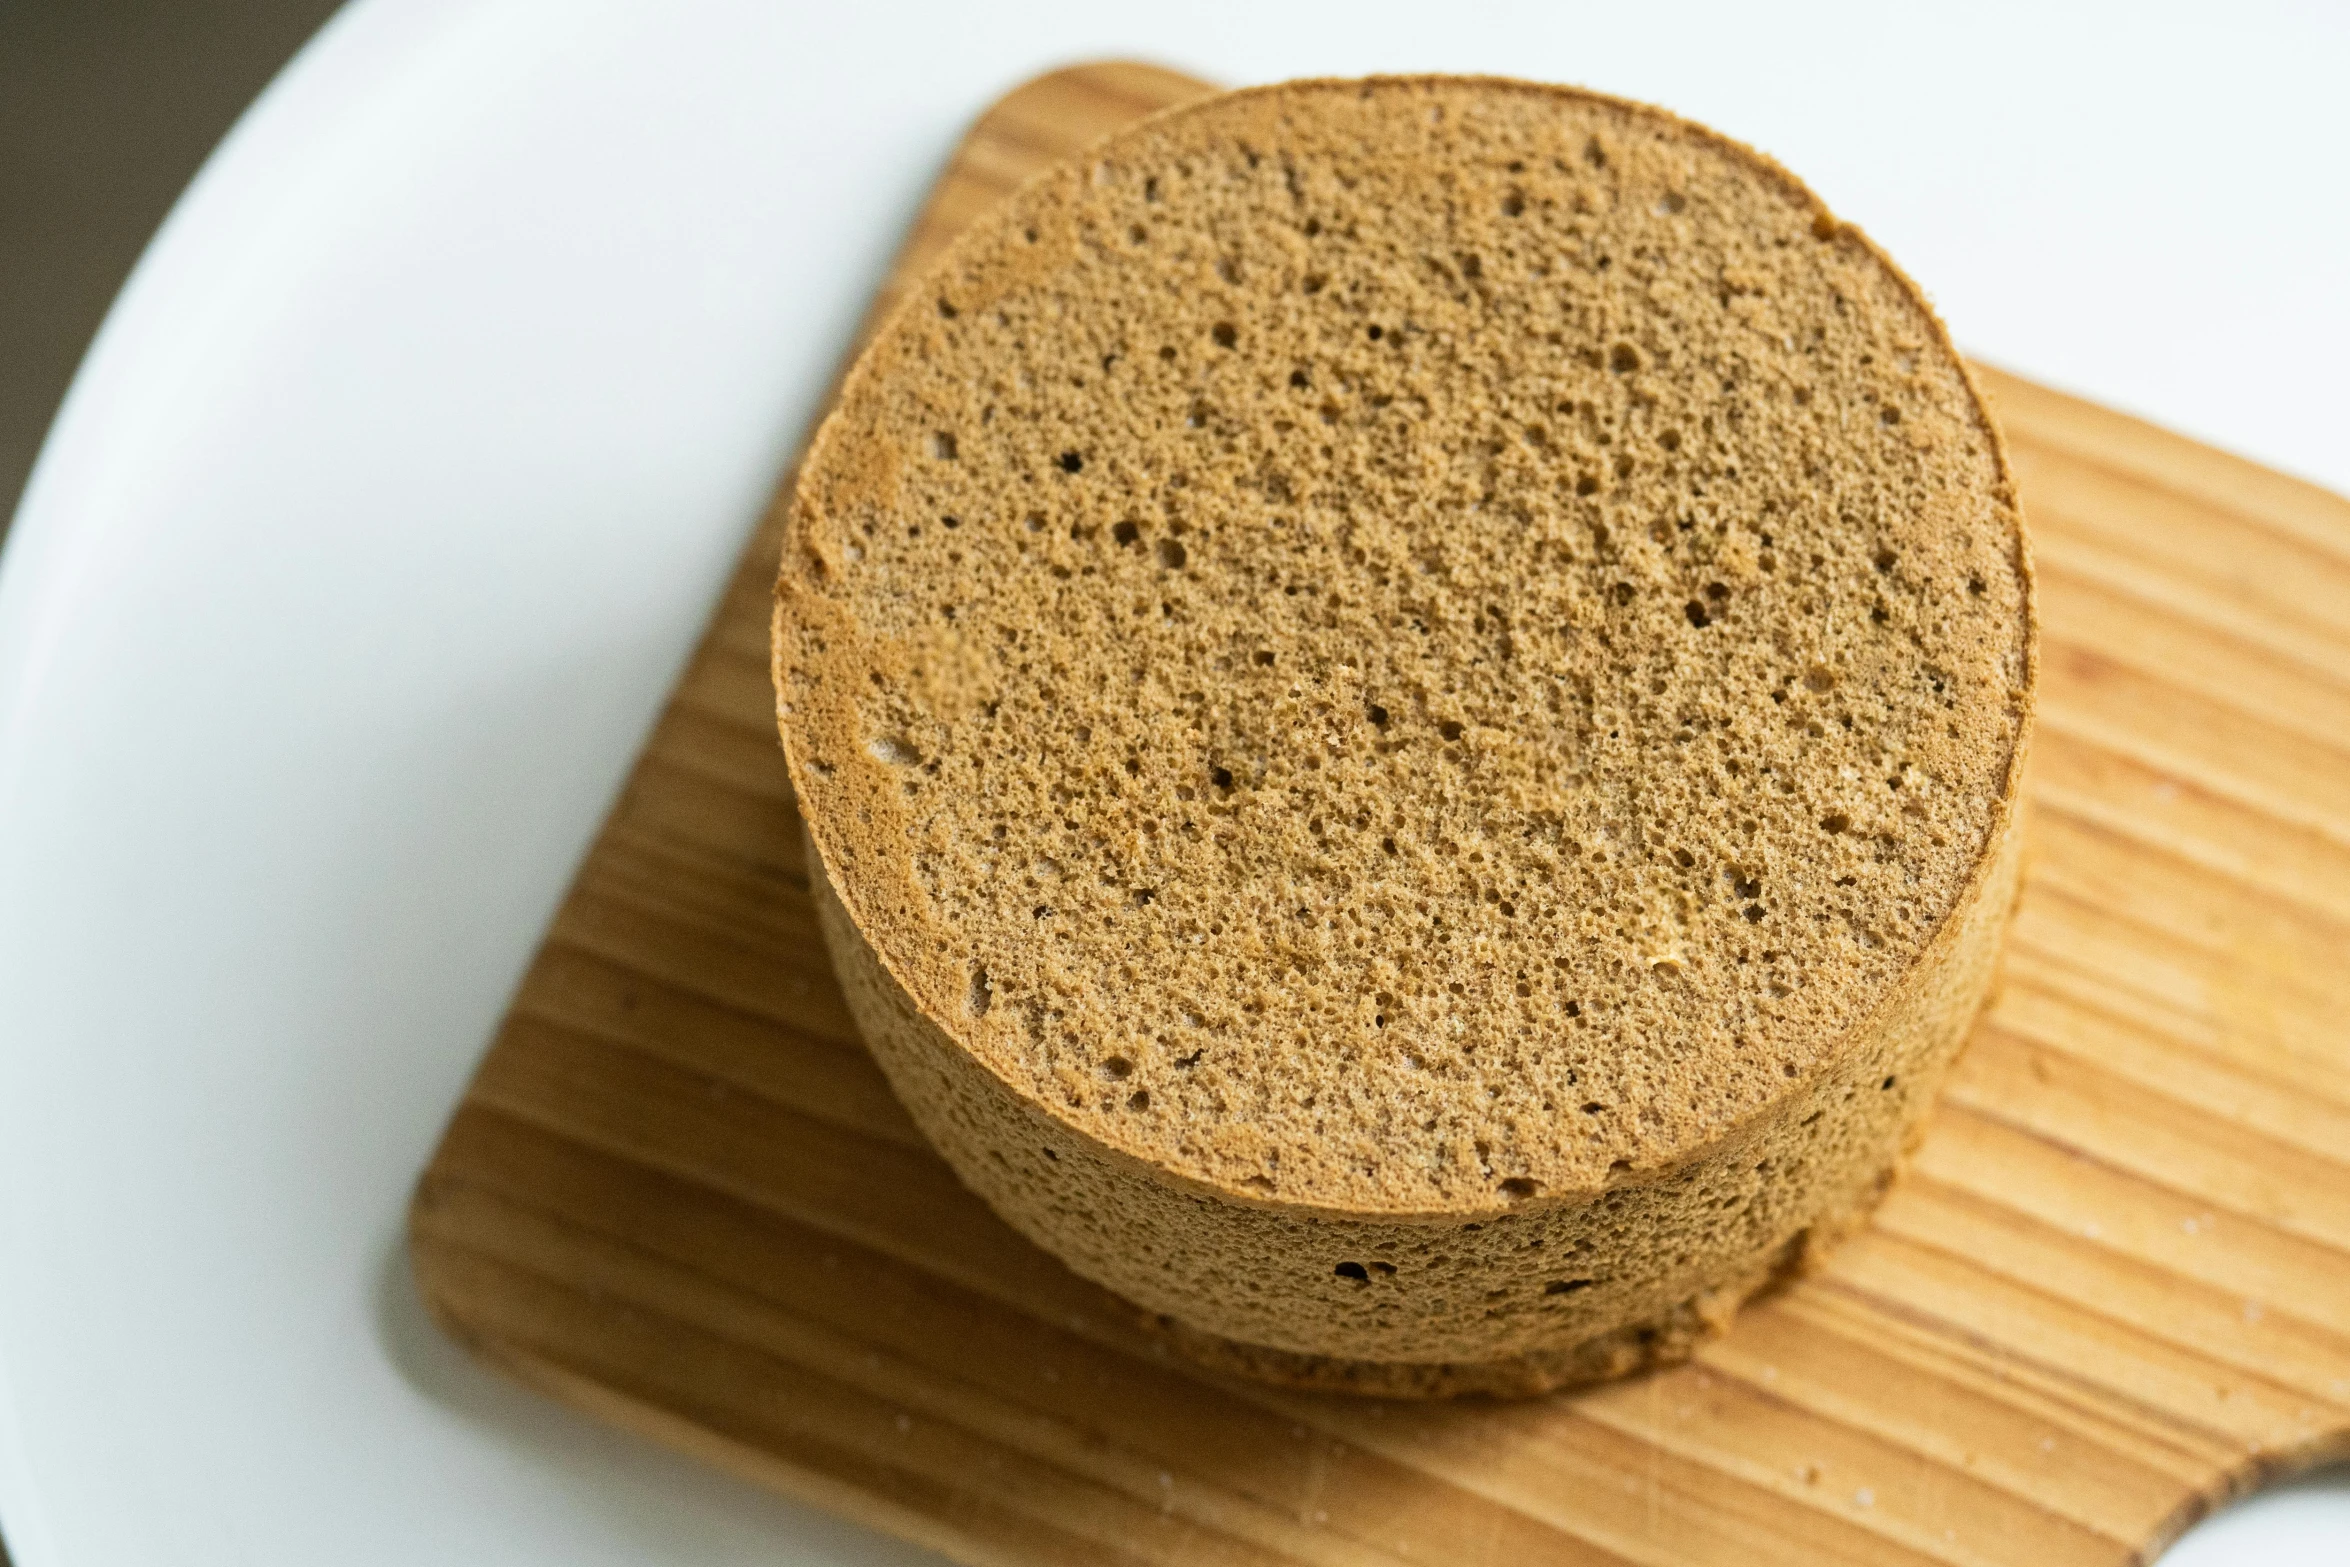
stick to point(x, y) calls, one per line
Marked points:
point(389, 501)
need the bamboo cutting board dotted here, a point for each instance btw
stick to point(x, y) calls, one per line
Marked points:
point(2113, 1291)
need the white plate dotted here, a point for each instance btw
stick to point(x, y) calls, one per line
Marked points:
point(405, 469)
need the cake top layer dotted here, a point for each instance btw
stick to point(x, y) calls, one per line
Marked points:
point(1406, 646)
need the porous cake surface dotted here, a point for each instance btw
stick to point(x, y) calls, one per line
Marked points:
point(1407, 648)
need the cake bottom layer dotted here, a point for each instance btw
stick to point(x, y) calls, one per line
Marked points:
point(1663, 1340)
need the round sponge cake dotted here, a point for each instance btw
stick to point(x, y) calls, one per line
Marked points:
point(1410, 695)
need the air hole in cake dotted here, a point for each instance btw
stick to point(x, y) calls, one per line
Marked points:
point(1835, 821)
point(1225, 334)
point(1566, 1286)
point(1117, 1068)
point(1172, 554)
point(942, 446)
point(980, 997)
point(1353, 1270)
point(1520, 1187)
point(1072, 462)
point(1126, 532)
point(894, 750)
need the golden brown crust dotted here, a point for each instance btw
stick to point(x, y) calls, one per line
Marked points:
point(1665, 1339)
point(1489, 718)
